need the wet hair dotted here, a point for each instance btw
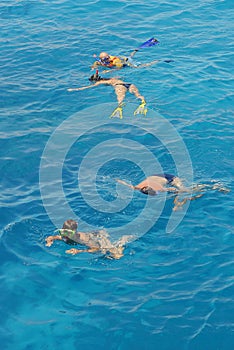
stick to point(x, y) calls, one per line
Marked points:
point(70, 225)
point(95, 77)
point(148, 190)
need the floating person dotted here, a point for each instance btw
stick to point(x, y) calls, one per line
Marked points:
point(97, 241)
point(157, 183)
point(120, 88)
point(118, 62)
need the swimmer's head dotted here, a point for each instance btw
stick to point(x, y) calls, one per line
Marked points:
point(104, 55)
point(70, 225)
point(95, 77)
point(104, 58)
point(148, 190)
point(69, 231)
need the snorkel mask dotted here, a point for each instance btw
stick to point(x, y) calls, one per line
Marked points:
point(105, 60)
point(64, 232)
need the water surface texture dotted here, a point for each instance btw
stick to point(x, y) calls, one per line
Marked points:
point(170, 290)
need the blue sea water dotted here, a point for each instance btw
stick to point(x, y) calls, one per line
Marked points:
point(170, 290)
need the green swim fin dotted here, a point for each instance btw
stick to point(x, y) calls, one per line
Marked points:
point(118, 112)
point(141, 109)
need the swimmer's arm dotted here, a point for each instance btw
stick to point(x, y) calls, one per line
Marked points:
point(171, 189)
point(81, 88)
point(147, 64)
point(85, 87)
point(141, 185)
point(111, 70)
point(74, 251)
point(96, 64)
point(50, 240)
point(126, 184)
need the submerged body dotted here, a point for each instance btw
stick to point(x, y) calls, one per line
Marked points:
point(154, 184)
point(98, 241)
point(118, 62)
point(157, 183)
point(121, 89)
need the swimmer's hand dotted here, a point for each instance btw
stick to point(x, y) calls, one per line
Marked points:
point(74, 251)
point(118, 112)
point(141, 109)
point(50, 240)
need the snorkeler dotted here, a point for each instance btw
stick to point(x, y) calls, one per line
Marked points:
point(157, 183)
point(154, 184)
point(97, 241)
point(120, 88)
point(118, 62)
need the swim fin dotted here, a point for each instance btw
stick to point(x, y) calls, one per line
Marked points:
point(118, 112)
point(148, 43)
point(141, 109)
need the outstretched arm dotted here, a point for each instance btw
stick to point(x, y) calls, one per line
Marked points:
point(96, 64)
point(81, 88)
point(125, 183)
point(75, 251)
point(111, 70)
point(88, 86)
point(50, 240)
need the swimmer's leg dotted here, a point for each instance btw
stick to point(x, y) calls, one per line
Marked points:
point(220, 188)
point(141, 109)
point(178, 204)
point(120, 92)
point(134, 90)
point(179, 185)
point(123, 240)
point(116, 252)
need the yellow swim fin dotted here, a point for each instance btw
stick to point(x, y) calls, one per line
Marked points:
point(118, 112)
point(141, 109)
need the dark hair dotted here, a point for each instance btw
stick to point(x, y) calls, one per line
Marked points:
point(148, 190)
point(95, 77)
point(70, 225)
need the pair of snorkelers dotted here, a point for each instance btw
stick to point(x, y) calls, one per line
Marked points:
point(97, 241)
point(120, 88)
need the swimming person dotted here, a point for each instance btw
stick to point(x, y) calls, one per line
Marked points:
point(97, 241)
point(120, 88)
point(118, 62)
point(157, 183)
point(154, 184)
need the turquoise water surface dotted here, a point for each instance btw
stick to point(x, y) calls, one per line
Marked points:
point(173, 289)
